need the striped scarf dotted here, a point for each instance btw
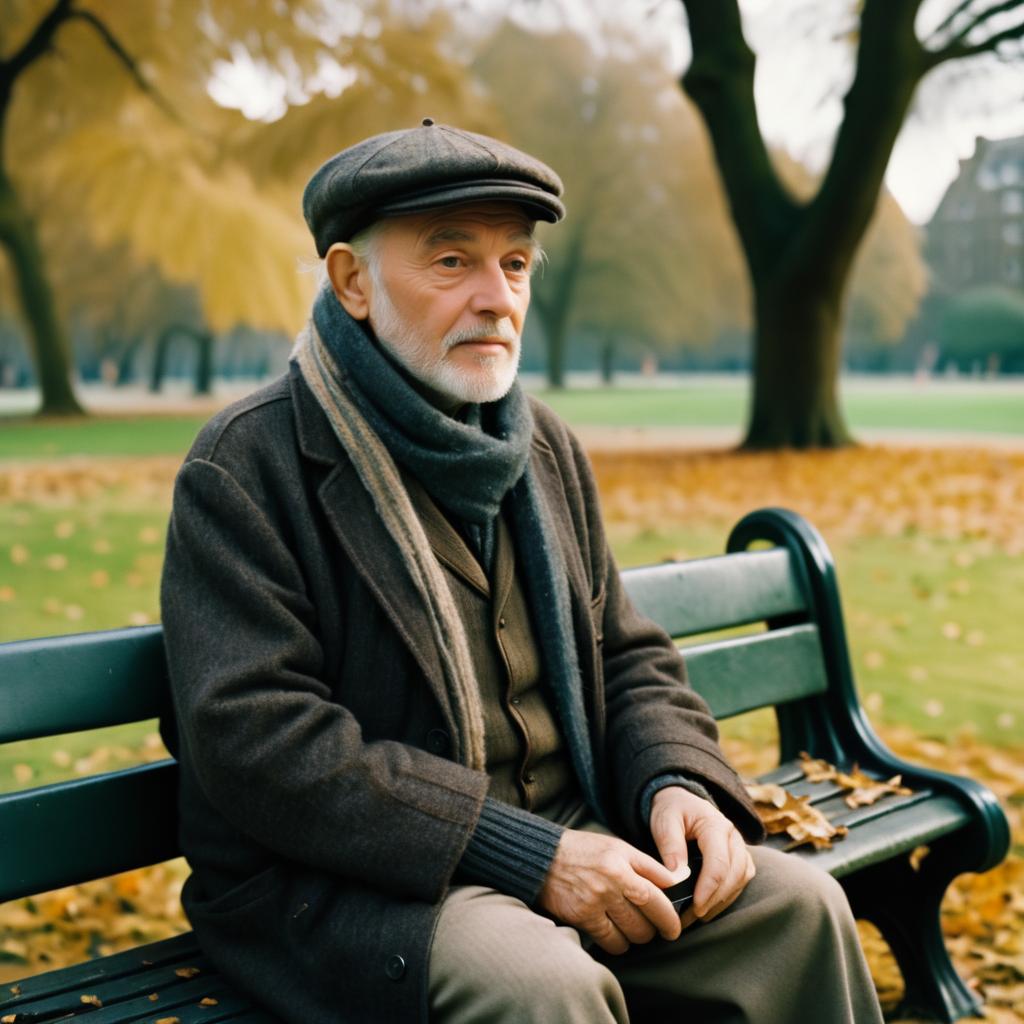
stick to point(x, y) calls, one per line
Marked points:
point(381, 420)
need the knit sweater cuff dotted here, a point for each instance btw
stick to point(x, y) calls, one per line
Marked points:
point(510, 850)
point(663, 781)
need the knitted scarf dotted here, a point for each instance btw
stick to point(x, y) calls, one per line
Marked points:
point(469, 468)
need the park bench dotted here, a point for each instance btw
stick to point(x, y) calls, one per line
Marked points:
point(777, 572)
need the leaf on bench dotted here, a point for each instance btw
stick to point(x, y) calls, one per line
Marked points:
point(793, 816)
point(863, 789)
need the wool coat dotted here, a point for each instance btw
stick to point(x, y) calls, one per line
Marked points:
point(321, 812)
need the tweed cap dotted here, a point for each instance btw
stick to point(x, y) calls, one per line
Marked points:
point(418, 169)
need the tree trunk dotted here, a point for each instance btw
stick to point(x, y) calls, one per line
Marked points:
point(799, 254)
point(608, 362)
point(159, 368)
point(796, 364)
point(204, 362)
point(50, 349)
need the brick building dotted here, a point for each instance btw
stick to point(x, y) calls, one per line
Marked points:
point(976, 236)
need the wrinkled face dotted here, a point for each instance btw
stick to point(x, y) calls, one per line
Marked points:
point(448, 296)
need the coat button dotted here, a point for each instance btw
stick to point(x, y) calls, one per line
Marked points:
point(438, 741)
point(395, 967)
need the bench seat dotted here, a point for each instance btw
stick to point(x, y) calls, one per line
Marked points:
point(776, 584)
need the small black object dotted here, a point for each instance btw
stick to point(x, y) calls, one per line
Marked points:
point(681, 894)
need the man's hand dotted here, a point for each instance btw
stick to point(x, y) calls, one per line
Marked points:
point(610, 890)
point(678, 815)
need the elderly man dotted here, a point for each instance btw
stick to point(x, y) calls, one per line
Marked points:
point(434, 764)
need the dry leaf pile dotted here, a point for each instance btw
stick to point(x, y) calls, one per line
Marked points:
point(873, 490)
point(78, 478)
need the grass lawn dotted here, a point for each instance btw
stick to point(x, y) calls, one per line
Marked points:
point(721, 402)
point(25, 438)
point(714, 402)
point(933, 627)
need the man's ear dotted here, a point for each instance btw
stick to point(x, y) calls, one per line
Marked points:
point(350, 280)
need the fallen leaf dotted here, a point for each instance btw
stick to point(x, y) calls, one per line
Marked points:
point(207, 1001)
point(15, 990)
point(816, 770)
point(168, 1020)
point(187, 972)
point(767, 793)
point(91, 1001)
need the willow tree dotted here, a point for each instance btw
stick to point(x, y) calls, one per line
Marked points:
point(799, 253)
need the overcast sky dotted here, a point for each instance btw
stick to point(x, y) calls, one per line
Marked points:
point(804, 65)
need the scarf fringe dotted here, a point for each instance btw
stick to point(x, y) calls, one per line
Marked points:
point(379, 474)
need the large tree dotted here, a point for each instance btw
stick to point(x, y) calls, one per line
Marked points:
point(106, 120)
point(799, 253)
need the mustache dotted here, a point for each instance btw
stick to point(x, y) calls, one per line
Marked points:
point(488, 330)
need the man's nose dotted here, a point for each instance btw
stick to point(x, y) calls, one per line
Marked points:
point(492, 294)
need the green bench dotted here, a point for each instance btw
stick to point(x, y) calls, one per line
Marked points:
point(70, 832)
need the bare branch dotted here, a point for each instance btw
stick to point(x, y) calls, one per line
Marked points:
point(37, 44)
point(950, 18)
point(129, 62)
point(961, 37)
point(958, 51)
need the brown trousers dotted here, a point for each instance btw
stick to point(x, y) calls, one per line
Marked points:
point(786, 952)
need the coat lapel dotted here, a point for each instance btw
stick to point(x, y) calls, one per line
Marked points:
point(369, 547)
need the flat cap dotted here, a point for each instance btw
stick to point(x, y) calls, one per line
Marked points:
point(418, 169)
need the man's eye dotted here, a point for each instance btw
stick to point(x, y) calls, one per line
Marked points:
point(450, 262)
point(518, 266)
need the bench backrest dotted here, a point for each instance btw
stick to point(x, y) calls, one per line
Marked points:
point(71, 831)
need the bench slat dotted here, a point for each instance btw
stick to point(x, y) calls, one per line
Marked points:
point(886, 836)
point(129, 817)
point(57, 685)
point(748, 672)
point(708, 594)
point(177, 950)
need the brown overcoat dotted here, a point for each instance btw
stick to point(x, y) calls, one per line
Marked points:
point(320, 811)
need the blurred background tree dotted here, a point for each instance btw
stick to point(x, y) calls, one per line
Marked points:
point(800, 253)
point(106, 119)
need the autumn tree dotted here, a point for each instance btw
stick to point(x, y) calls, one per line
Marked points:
point(799, 253)
point(646, 251)
point(106, 118)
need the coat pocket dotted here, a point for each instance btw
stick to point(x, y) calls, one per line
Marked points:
point(242, 895)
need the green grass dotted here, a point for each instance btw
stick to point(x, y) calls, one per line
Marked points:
point(723, 403)
point(718, 402)
point(933, 626)
point(25, 438)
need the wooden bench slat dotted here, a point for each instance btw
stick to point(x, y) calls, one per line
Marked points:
point(708, 594)
point(57, 685)
point(886, 836)
point(130, 818)
point(748, 672)
point(176, 950)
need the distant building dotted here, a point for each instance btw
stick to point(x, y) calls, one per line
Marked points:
point(976, 236)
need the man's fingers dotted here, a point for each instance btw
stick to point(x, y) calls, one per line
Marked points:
point(741, 871)
point(714, 871)
point(652, 870)
point(607, 935)
point(655, 907)
point(669, 834)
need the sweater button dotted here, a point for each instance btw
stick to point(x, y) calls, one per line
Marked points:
point(501, 622)
point(395, 967)
point(438, 741)
point(530, 778)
